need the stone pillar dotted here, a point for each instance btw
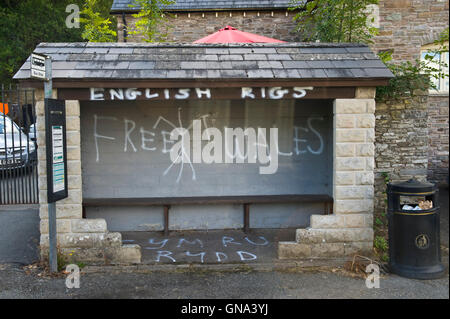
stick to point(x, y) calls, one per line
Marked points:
point(349, 230)
point(120, 27)
point(78, 239)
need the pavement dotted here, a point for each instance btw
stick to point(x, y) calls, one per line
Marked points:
point(19, 234)
point(302, 284)
point(233, 276)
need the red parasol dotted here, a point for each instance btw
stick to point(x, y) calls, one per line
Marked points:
point(233, 35)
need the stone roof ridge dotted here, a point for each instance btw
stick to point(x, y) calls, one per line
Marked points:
point(199, 45)
point(197, 5)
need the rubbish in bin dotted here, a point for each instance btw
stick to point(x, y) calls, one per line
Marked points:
point(407, 207)
point(427, 204)
point(422, 205)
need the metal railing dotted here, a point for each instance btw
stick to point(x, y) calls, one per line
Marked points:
point(18, 147)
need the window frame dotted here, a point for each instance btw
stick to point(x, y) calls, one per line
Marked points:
point(443, 87)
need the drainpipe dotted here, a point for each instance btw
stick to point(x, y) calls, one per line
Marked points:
point(124, 21)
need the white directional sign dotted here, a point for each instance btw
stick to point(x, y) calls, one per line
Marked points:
point(38, 66)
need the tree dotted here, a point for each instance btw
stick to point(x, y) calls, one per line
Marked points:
point(27, 23)
point(96, 28)
point(151, 21)
point(334, 20)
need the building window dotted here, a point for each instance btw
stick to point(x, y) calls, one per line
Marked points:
point(440, 61)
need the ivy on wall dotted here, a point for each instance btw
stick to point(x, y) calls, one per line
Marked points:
point(151, 20)
point(418, 75)
point(334, 20)
point(350, 21)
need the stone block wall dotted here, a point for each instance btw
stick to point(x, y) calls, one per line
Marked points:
point(401, 143)
point(349, 230)
point(188, 27)
point(78, 239)
point(438, 139)
point(406, 26)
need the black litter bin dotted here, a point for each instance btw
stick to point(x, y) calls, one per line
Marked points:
point(414, 238)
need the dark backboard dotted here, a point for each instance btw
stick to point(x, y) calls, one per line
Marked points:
point(123, 152)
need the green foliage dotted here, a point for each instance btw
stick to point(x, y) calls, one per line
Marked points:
point(380, 243)
point(27, 23)
point(409, 77)
point(81, 264)
point(386, 177)
point(381, 248)
point(96, 27)
point(378, 222)
point(334, 20)
point(151, 21)
point(346, 21)
point(61, 260)
point(418, 75)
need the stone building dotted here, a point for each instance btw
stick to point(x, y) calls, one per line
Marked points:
point(406, 27)
point(192, 20)
point(409, 28)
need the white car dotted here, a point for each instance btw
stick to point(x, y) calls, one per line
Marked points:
point(32, 132)
point(17, 150)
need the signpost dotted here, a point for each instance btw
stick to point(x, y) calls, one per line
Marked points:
point(38, 66)
point(55, 132)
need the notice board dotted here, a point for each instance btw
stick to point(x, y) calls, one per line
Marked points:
point(56, 149)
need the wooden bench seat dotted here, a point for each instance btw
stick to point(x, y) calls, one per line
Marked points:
point(246, 201)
